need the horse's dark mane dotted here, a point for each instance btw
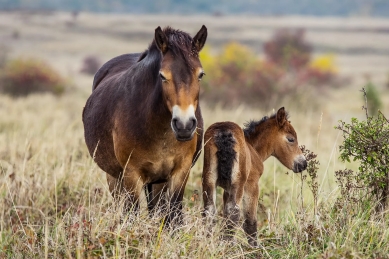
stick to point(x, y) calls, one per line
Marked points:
point(250, 126)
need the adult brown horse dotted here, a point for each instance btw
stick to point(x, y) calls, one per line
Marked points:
point(143, 122)
point(233, 159)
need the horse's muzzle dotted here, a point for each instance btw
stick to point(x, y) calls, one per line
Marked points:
point(184, 131)
point(300, 164)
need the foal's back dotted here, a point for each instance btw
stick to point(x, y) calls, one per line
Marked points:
point(223, 150)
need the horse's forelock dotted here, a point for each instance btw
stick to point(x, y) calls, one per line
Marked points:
point(180, 44)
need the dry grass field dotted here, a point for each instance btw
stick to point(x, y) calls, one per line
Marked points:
point(55, 203)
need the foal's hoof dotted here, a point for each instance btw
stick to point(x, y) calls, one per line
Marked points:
point(253, 244)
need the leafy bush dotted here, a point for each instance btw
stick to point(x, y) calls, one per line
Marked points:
point(237, 75)
point(367, 142)
point(21, 77)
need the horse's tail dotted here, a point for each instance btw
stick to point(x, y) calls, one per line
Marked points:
point(226, 154)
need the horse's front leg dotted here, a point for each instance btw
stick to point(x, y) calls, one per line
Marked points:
point(176, 188)
point(156, 197)
point(115, 186)
point(133, 186)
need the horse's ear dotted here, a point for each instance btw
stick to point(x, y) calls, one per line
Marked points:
point(281, 117)
point(200, 38)
point(161, 40)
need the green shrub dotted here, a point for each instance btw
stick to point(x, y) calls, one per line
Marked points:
point(373, 99)
point(21, 77)
point(367, 142)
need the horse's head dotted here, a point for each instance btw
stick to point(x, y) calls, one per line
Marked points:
point(180, 73)
point(287, 150)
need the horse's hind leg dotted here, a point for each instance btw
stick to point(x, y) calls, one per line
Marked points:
point(250, 204)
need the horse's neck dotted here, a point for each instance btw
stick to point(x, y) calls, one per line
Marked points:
point(145, 90)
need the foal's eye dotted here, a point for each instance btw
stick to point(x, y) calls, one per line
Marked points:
point(291, 140)
point(162, 77)
point(201, 75)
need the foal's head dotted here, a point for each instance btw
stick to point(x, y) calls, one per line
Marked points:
point(286, 148)
point(180, 73)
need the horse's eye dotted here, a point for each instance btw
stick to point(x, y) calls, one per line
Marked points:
point(162, 77)
point(291, 140)
point(201, 75)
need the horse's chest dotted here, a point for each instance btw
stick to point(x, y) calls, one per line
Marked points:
point(166, 157)
point(163, 161)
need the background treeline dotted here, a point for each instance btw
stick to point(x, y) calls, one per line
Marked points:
point(217, 7)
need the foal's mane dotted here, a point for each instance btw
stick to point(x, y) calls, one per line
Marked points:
point(250, 126)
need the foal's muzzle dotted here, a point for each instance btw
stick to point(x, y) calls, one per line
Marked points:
point(184, 130)
point(300, 164)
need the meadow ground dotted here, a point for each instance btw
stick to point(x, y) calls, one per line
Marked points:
point(54, 199)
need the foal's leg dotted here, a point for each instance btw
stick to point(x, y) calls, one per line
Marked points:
point(209, 197)
point(209, 179)
point(250, 204)
point(232, 199)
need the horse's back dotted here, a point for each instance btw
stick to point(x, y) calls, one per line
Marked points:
point(114, 67)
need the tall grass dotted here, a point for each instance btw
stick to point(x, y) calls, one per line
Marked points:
point(55, 202)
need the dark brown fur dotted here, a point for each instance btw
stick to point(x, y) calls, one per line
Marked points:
point(243, 152)
point(128, 117)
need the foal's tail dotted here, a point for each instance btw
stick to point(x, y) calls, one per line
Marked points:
point(226, 155)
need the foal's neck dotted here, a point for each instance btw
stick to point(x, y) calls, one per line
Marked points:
point(261, 140)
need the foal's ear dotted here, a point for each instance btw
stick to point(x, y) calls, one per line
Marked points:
point(161, 40)
point(281, 117)
point(200, 38)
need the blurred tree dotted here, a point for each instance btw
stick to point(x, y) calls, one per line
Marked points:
point(289, 49)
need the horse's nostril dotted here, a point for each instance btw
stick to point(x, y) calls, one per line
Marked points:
point(192, 123)
point(177, 124)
